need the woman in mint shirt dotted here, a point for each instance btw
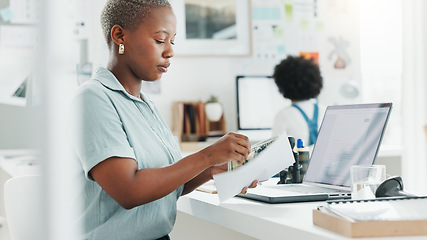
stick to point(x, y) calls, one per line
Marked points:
point(132, 168)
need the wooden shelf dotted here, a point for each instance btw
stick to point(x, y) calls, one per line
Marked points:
point(190, 123)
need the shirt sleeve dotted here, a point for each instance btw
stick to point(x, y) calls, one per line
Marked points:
point(100, 131)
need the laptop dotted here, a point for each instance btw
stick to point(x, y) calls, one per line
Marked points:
point(349, 135)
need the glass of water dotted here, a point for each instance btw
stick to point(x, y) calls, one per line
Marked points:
point(365, 180)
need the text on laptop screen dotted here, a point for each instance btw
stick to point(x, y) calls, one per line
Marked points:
point(258, 101)
point(349, 135)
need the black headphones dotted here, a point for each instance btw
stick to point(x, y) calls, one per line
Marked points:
point(392, 187)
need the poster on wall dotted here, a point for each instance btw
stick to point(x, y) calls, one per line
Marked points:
point(281, 28)
point(326, 30)
point(212, 27)
point(341, 52)
point(24, 11)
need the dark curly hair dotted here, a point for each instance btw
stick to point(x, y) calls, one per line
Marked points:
point(298, 78)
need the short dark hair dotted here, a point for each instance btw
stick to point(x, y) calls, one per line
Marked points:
point(298, 78)
point(127, 13)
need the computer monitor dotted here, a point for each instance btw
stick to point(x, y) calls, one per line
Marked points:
point(258, 101)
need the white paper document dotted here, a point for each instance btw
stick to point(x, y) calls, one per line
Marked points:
point(276, 157)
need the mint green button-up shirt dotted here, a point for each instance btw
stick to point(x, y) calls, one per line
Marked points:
point(115, 123)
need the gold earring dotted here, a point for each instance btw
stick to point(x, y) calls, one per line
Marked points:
point(121, 49)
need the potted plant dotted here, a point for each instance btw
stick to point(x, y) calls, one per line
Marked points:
point(213, 109)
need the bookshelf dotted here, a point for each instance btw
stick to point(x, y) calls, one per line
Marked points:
point(190, 123)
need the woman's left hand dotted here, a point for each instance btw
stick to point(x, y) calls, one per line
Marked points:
point(253, 185)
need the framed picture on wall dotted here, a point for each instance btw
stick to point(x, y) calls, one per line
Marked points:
point(212, 27)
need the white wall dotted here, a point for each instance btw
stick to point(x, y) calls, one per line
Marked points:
point(196, 78)
point(17, 125)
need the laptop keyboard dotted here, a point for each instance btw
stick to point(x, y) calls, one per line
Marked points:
point(300, 188)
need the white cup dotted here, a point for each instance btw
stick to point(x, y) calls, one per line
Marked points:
point(365, 180)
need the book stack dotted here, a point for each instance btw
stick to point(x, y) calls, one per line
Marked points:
point(379, 217)
point(191, 124)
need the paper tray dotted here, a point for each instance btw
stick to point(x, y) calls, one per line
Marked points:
point(369, 228)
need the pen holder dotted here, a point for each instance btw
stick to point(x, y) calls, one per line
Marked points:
point(293, 173)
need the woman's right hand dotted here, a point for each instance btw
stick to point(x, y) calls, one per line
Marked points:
point(231, 146)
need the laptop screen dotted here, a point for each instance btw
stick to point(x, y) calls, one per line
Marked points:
point(349, 135)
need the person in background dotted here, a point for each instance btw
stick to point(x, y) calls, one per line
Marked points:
point(132, 170)
point(300, 81)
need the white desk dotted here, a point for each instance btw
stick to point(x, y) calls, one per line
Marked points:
point(254, 219)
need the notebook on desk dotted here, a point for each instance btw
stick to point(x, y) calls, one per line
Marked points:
point(349, 135)
point(380, 217)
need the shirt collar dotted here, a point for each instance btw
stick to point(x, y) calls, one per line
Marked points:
point(305, 102)
point(107, 78)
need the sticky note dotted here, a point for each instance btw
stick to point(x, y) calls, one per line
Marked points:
point(6, 14)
